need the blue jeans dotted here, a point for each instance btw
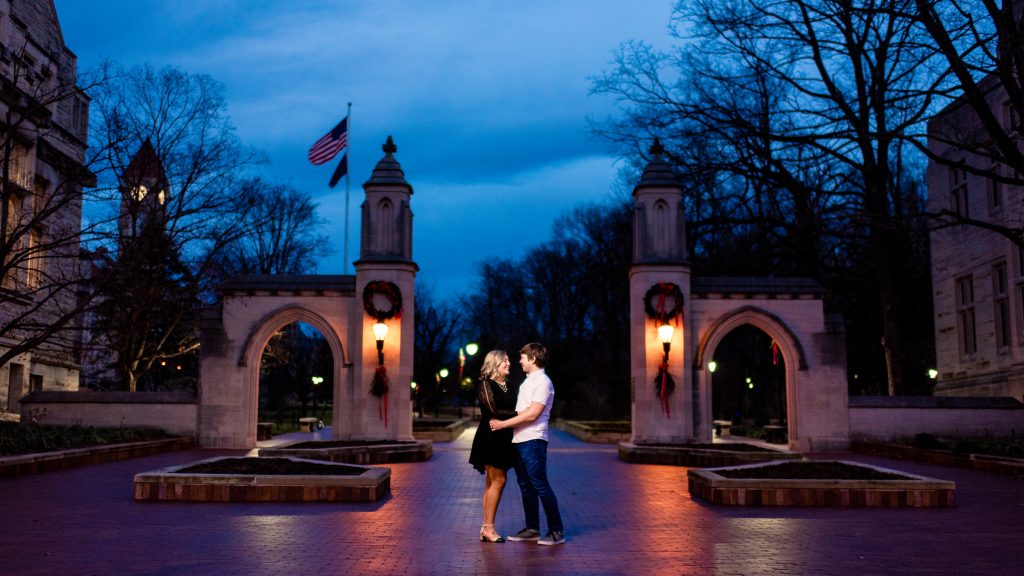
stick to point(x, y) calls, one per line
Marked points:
point(532, 474)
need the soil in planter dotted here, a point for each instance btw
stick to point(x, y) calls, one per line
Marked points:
point(271, 466)
point(345, 444)
point(724, 447)
point(811, 471)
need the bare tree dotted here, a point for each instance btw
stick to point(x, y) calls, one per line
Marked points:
point(982, 43)
point(283, 237)
point(792, 118)
point(173, 170)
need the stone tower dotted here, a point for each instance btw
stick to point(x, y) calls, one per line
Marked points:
point(385, 255)
point(660, 262)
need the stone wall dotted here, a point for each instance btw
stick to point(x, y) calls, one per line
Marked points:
point(172, 411)
point(889, 418)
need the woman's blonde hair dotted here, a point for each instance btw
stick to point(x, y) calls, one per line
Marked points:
point(492, 361)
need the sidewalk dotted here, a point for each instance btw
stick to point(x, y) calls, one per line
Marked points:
point(620, 519)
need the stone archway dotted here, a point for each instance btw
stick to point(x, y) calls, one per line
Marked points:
point(252, 309)
point(252, 352)
point(794, 361)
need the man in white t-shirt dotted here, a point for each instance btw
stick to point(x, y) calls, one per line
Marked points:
point(530, 439)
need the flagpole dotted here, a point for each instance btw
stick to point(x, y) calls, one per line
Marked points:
point(349, 116)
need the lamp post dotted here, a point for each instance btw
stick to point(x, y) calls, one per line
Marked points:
point(316, 380)
point(471, 349)
point(442, 373)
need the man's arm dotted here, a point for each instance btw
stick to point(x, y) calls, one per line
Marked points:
point(525, 417)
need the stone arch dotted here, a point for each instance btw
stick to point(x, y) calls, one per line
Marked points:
point(790, 347)
point(256, 341)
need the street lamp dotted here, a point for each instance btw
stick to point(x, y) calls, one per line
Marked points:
point(471, 349)
point(442, 373)
point(316, 380)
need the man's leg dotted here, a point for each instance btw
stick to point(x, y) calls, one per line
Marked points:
point(535, 459)
point(531, 507)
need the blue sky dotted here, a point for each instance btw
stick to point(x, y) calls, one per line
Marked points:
point(488, 101)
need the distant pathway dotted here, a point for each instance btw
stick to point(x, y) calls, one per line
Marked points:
point(620, 518)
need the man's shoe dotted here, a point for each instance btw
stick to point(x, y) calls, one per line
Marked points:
point(555, 537)
point(524, 535)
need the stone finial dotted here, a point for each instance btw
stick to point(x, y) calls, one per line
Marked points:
point(656, 148)
point(389, 146)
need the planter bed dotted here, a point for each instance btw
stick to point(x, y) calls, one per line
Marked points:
point(439, 430)
point(264, 480)
point(72, 458)
point(999, 464)
point(355, 451)
point(878, 487)
point(596, 431)
point(700, 455)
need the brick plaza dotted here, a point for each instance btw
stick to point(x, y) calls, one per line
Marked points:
point(620, 519)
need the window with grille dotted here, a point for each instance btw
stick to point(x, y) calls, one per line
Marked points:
point(965, 316)
point(958, 192)
point(1001, 307)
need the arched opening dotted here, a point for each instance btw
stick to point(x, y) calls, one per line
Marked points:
point(792, 362)
point(296, 378)
point(251, 359)
point(748, 385)
point(662, 227)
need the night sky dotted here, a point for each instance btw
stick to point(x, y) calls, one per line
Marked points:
point(488, 102)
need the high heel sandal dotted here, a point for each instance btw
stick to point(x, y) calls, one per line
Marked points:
point(485, 538)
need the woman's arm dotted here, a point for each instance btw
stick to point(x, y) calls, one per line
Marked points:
point(529, 415)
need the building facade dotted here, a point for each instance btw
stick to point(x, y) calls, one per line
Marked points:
point(977, 274)
point(43, 135)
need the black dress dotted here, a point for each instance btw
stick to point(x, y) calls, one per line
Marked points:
point(493, 448)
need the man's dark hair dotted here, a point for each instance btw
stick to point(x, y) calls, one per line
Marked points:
point(536, 352)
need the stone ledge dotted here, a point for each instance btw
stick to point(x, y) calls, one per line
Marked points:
point(382, 453)
point(583, 430)
point(1009, 466)
point(448, 433)
point(695, 457)
point(60, 460)
point(913, 492)
point(168, 484)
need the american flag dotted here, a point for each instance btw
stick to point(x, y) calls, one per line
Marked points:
point(333, 142)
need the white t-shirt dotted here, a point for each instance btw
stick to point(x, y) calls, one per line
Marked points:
point(536, 388)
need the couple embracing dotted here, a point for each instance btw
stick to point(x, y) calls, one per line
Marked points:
point(513, 433)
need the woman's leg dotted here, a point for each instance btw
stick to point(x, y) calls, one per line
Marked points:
point(495, 484)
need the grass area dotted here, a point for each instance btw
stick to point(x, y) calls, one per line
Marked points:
point(1012, 447)
point(16, 439)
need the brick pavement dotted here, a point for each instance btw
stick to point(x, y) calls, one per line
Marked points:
point(620, 518)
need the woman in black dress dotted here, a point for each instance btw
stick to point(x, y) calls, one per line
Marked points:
point(492, 453)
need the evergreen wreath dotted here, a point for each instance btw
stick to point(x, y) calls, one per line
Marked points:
point(654, 301)
point(388, 290)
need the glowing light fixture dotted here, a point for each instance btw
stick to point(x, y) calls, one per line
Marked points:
point(380, 331)
point(472, 348)
point(712, 366)
point(665, 335)
point(933, 373)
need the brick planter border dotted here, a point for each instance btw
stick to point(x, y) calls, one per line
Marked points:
point(695, 457)
point(914, 492)
point(168, 484)
point(60, 460)
point(382, 453)
point(1010, 466)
